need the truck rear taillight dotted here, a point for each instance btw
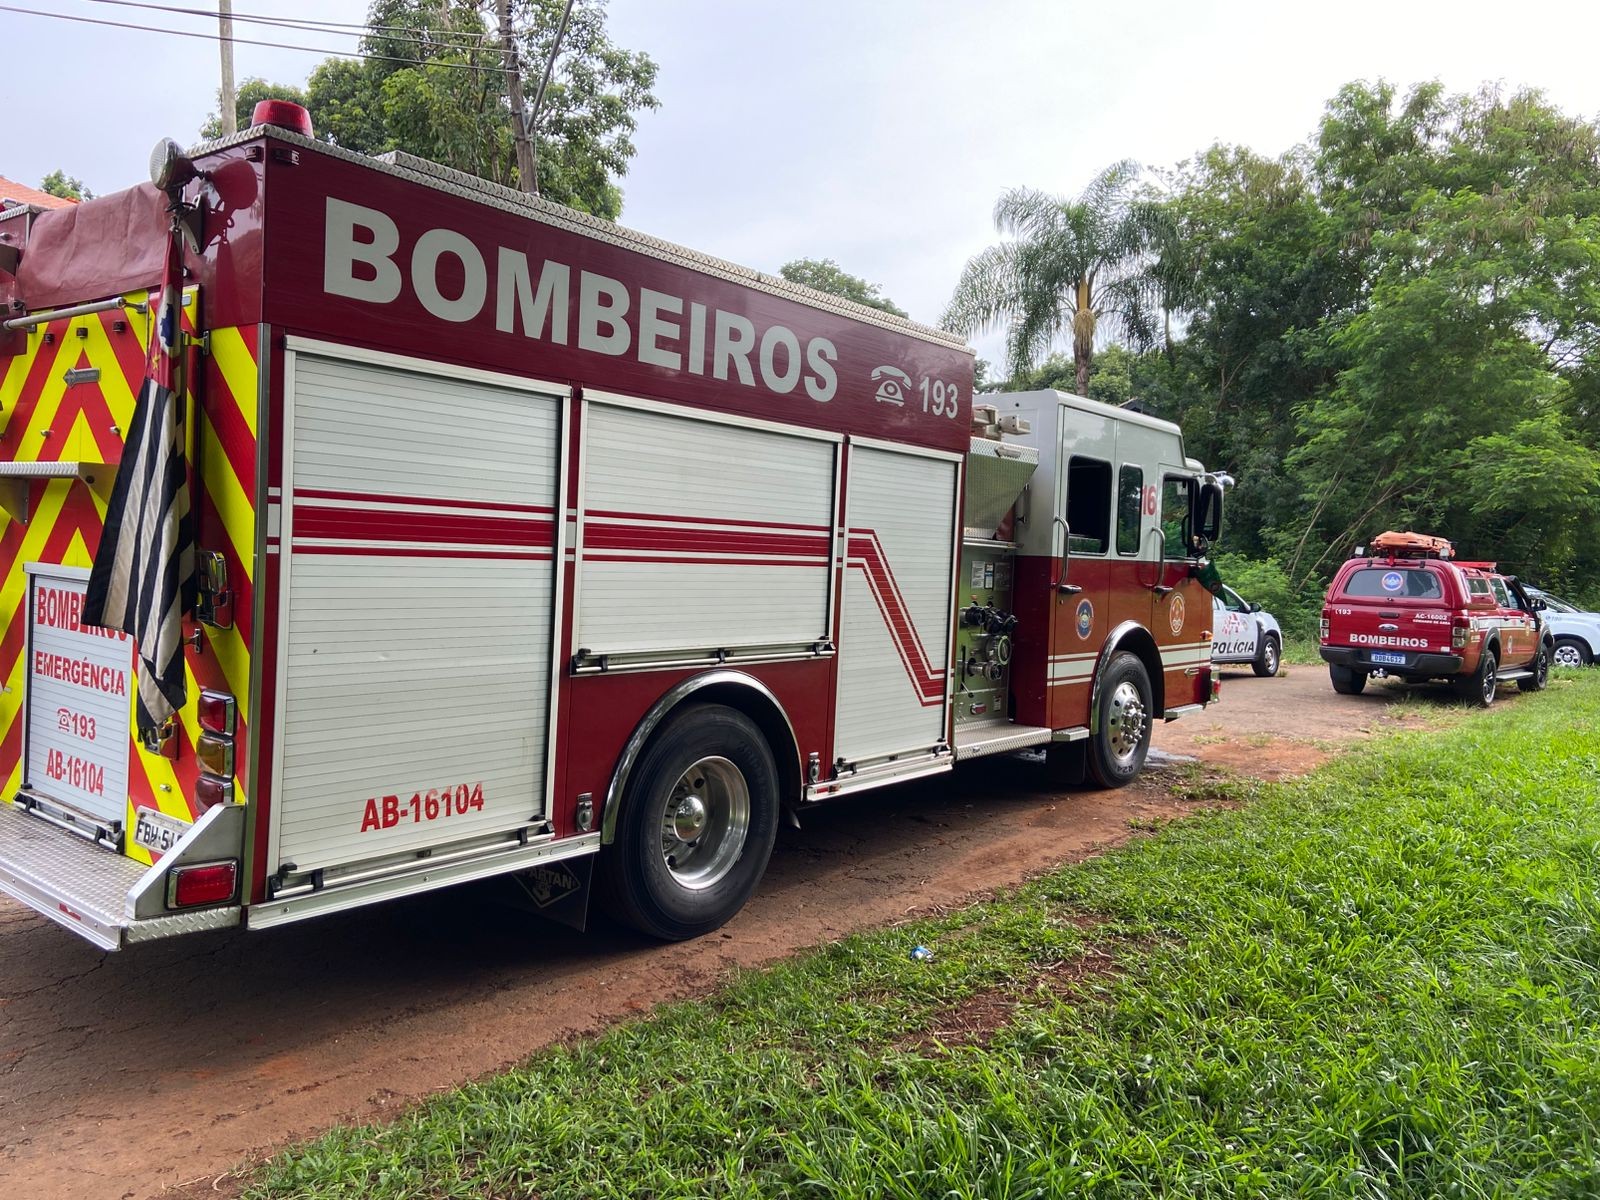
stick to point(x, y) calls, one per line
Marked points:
point(210, 791)
point(217, 713)
point(215, 754)
point(1322, 629)
point(203, 883)
point(1460, 630)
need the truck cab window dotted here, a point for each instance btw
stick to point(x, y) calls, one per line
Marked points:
point(1088, 505)
point(1130, 509)
point(1176, 501)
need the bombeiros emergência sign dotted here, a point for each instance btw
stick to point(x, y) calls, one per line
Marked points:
point(80, 681)
point(550, 301)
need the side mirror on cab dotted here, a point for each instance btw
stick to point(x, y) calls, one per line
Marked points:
point(1255, 607)
point(1208, 513)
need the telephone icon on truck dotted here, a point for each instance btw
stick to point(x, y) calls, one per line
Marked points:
point(893, 384)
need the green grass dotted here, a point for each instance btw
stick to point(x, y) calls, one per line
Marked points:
point(1301, 651)
point(1379, 981)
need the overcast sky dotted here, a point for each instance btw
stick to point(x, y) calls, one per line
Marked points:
point(875, 132)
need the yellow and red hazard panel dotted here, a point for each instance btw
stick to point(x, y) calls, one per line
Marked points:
point(50, 416)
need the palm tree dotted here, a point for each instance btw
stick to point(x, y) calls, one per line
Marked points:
point(1070, 264)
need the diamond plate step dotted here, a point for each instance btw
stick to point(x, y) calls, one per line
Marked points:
point(65, 877)
point(975, 741)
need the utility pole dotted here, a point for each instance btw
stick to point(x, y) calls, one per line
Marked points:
point(544, 85)
point(230, 104)
point(527, 177)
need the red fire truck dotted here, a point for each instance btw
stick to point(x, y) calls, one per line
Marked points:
point(528, 545)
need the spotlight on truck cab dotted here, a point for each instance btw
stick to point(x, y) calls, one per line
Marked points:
point(170, 168)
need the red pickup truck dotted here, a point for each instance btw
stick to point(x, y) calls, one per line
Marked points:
point(1409, 609)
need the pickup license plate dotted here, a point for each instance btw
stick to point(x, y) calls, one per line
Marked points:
point(1389, 658)
point(157, 832)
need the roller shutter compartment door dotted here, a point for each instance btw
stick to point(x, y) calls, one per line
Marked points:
point(417, 610)
point(894, 636)
point(701, 535)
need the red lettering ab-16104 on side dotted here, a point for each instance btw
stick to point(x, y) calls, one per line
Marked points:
point(385, 812)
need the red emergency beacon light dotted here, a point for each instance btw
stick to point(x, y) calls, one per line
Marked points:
point(283, 113)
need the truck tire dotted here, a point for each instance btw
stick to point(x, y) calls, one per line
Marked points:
point(1541, 671)
point(1572, 652)
point(1267, 661)
point(1479, 687)
point(1121, 739)
point(696, 828)
point(1347, 681)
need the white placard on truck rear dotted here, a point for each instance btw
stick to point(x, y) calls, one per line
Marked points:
point(80, 685)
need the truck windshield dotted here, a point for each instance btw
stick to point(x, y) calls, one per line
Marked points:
point(1395, 583)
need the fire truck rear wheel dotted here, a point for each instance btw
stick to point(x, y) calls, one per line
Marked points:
point(1121, 739)
point(696, 827)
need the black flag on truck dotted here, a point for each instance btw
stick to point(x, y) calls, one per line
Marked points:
point(143, 577)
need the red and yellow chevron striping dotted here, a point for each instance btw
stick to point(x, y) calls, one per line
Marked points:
point(43, 418)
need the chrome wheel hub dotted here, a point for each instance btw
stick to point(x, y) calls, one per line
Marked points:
point(1568, 656)
point(705, 822)
point(1126, 723)
point(689, 818)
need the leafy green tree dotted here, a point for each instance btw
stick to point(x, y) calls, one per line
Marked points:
point(982, 380)
point(825, 275)
point(434, 86)
point(1080, 267)
point(59, 183)
point(1454, 406)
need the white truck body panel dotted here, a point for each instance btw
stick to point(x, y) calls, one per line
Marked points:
point(412, 565)
point(697, 532)
point(897, 615)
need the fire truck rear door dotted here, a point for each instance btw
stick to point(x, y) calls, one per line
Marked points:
point(417, 606)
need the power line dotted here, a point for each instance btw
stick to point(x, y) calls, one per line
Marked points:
point(239, 41)
point(312, 25)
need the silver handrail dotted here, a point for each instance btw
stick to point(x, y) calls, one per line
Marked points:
point(76, 310)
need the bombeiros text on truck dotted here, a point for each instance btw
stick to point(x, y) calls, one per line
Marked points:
point(497, 540)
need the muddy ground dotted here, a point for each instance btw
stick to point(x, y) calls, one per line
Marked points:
point(161, 1067)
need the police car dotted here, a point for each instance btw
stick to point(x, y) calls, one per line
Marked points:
point(1577, 633)
point(1242, 633)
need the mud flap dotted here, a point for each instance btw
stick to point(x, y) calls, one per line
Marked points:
point(1066, 763)
point(557, 891)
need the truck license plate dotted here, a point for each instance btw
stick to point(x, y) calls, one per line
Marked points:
point(157, 832)
point(1389, 658)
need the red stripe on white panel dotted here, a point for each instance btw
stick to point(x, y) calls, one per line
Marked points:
point(867, 553)
point(411, 526)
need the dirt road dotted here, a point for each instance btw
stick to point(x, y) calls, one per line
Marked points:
point(123, 1075)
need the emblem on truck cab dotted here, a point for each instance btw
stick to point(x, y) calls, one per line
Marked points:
point(1085, 618)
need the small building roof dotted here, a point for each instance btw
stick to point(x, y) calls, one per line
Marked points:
point(23, 194)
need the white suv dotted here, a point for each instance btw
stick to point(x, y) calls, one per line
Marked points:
point(1577, 633)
